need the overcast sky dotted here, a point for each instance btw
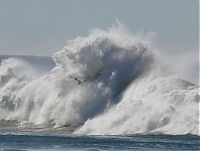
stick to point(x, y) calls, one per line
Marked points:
point(41, 27)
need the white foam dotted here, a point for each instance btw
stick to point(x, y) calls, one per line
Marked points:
point(107, 83)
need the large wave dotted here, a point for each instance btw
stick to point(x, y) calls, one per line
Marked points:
point(106, 83)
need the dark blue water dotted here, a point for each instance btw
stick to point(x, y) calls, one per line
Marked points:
point(137, 142)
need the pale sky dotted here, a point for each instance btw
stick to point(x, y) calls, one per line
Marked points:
point(41, 27)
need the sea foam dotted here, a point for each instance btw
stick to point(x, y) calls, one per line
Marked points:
point(106, 83)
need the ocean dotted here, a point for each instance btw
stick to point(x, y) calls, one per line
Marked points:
point(99, 143)
point(107, 91)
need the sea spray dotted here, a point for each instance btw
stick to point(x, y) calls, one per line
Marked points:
point(106, 83)
point(150, 105)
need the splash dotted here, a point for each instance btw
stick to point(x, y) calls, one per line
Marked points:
point(106, 83)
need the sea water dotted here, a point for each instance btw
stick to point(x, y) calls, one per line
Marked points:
point(107, 91)
point(33, 141)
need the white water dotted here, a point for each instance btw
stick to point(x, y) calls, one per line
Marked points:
point(122, 89)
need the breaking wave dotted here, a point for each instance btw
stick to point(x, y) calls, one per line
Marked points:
point(106, 83)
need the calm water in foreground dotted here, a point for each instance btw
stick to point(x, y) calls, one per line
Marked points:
point(60, 142)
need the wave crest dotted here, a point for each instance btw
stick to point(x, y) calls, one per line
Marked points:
point(108, 77)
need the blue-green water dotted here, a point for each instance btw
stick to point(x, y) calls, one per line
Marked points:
point(136, 142)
